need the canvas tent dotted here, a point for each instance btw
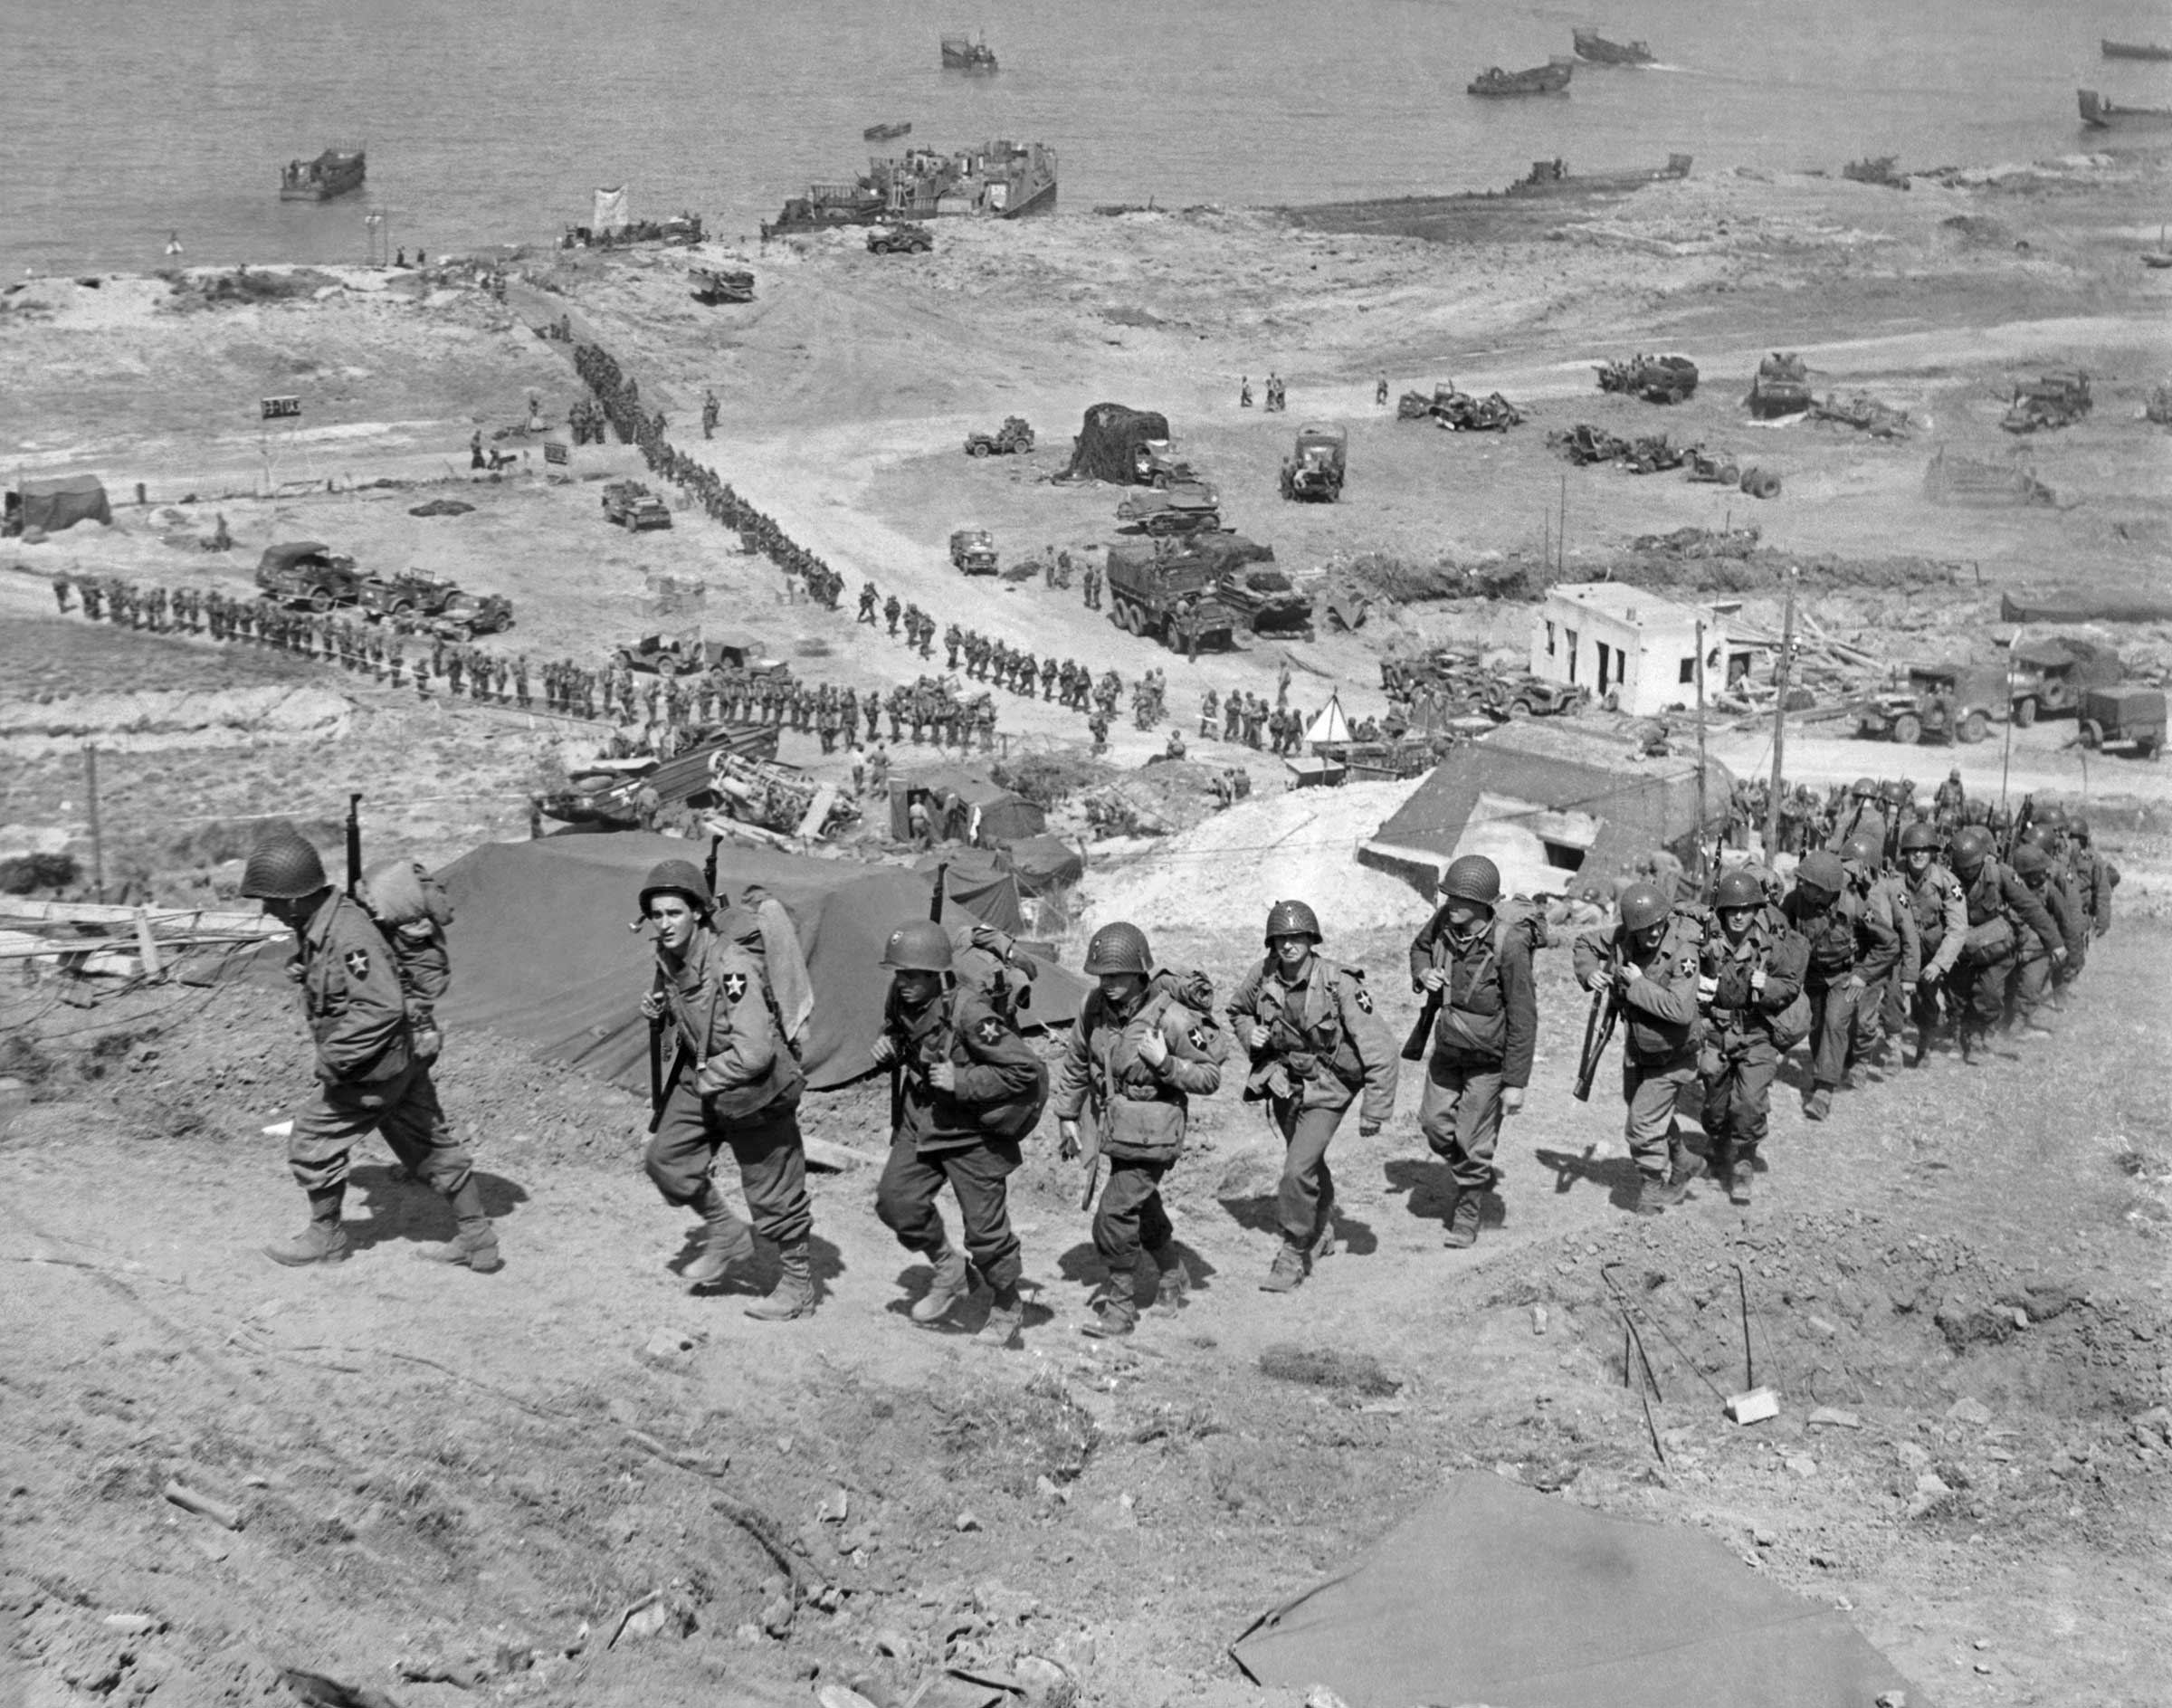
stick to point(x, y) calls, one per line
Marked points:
point(1330, 725)
point(53, 502)
point(541, 952)
point(1556, 807)
point(1109, 441)
point(1494, 1593)
point(966, 808)
point(978, 879)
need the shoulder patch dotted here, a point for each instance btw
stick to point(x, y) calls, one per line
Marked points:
point(734, 986)
point(1361, 996)
point(357, 962)
point(1197, 1038)
point(989, 1031)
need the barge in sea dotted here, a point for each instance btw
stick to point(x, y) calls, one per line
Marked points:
point(991, 180)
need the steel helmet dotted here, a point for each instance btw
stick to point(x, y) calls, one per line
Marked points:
point(1864, 785)
point(921, 946)
point(677, 877)
point(1918, 836)
point(1292, 919)
point(2078, 827)
point(2053, 815)
point(2030, 860)
point(1643, 906)
point(1120, 948)
point(1823, 871)
point(282, 868)
point(2037, 835)
point(1972, 845)
point(1860, 848)
point(1472, 878)
point(1954, 775)
point(1738, 888)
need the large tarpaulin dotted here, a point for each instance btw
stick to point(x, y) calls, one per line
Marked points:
point(610, 214)
point(2083, 608)
point(541, 952)
point(58, 501)
point(1109, 441)
point(1492, 1592)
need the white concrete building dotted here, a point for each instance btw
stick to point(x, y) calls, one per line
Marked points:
point(1634, 650)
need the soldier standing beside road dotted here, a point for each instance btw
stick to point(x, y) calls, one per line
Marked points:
point(1479, 1058)
point(734, 1081)
point(1951, 802)
point(968, 1088)
point(1650, 957)
point(373, 1070)
point(1141, 1051)
point(1752, 974)
point(1315, 1043)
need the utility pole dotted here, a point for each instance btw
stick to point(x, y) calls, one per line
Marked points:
point(98, 838)
point(1701, 760)
point(1779, 722)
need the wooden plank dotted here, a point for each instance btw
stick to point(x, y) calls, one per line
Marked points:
point(19, 909)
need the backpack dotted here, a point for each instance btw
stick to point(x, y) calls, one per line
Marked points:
point(1791, 1025)
point(408, 904)
point(1011, 1121)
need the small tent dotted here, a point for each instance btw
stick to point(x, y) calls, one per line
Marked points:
point(1108, 443)
point(541, 952)
point(54, 502)
point(1330, 726)
point(963, 808)
point(1494, 1593)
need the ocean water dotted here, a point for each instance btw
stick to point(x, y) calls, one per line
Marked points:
point(490, 120)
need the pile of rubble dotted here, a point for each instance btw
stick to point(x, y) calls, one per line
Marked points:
point(1456, 411)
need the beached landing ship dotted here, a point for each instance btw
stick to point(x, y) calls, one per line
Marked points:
point(334, 172)
point(1550, 78)
point(1553, 177)
point(1596, 48)
point(2100, 114)
point(994, 180)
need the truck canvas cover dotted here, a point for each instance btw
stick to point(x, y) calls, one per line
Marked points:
point(1108, 440)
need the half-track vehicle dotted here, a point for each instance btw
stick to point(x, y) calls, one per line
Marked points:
point(1316, 465)
point(632, 506)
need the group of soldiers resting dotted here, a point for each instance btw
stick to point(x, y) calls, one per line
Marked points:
point(1709, 996)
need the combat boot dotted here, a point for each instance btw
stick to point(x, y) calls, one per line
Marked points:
point(1463, 1221)
point(323, 1241)
point(794, 1294)
point(1287, 1273)
point(1658, 1192)
point(1173, 1281)
point(1324, 1243)
point(726, 1240)
point(1006, 1316)
point(1738, 1180)
point(476, 1245)
point(952, 1285)
point(1115, 1315)
point(1682, 1166)
point(1818, 1104)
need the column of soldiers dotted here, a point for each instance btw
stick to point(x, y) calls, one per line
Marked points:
point(1709, 997)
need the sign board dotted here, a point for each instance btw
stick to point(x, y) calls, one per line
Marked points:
point(555, 451)
point(278, 408)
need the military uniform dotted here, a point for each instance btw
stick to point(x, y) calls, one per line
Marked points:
point(1941, 915)
point(1740, 1056)
point(1141, 1109)
point(1325, 1044)
point(1659, 1054)
point(738, 1083)
point(1997, 903)
point(944, 1137)
point(1482, 1043)
point(1852, 950)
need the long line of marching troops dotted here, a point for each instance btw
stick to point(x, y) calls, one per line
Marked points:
point(1709, 995)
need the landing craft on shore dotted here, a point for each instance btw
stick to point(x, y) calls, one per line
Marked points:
point(1552, 177)
point(1596, 49)
point(335, 172)
point(1550, 78)
point(2100, 114)
point(993, 180)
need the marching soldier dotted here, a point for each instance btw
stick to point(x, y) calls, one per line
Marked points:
point(1994, 900)
point(372, 1067)
point(1476, 975)
point(892, 612)
point(968, 1088)
point(1750, 977)
point(1852, 950)
point(1883, 1006)
point(1951, 802)
point(2093, 876)
point(1941, 915)
point(735, 1081)
point(1139, 1052)
point(1650, 958)
point(1315, 1043)
point(2036, 969)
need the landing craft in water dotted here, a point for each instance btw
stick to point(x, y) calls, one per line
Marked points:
point(2134, 50)
point(2100, 114)
point(1553, 177)
point(1550, 78)
point(885, 133)
point(993, 180)
point(964, 54)
point(1593, 46)
point(334, 172)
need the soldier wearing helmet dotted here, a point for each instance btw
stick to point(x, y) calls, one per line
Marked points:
point(371, 1076)
point(2034, 972)
point(1143, 1048)
point(1650, 957)
point(969, 1089)
point(1863, 815)
point(1951, 802)
point(735, 1081)
point(1882, 1012)
point(1315, 1043)
point(1478, 1061)
point(1852, 949)
point(2091, 875)
point(1750, 979)
point(1995, 900)
point(1941, 915)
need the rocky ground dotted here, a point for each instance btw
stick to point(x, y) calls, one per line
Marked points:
point(1958, 1285)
